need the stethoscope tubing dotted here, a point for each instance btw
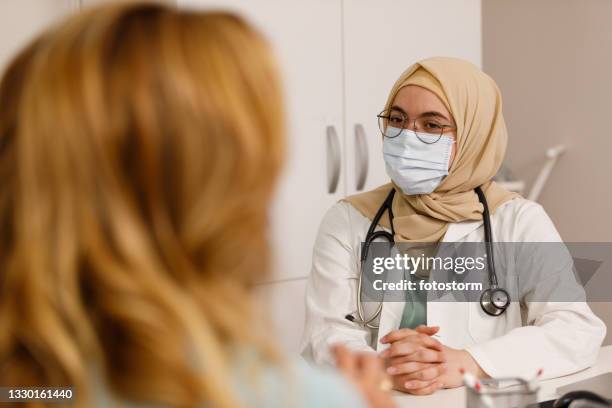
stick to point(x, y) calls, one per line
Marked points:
point(489, 307)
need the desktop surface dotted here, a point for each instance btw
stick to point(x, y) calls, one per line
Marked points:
point(455, 397)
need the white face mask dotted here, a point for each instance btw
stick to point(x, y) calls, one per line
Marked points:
point(414, 166)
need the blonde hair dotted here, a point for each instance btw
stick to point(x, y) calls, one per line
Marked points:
point(139, 149)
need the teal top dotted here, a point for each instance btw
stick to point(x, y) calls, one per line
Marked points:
point(415, 309)
point(297, 385)
point(302, 386)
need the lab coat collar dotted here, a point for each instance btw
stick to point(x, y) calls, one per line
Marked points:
point(458, 230)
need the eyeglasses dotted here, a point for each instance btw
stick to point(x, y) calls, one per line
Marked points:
point(391, 123)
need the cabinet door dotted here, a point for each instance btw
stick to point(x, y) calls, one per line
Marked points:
point(307, 39)
point(381, 39)
point(21, 20)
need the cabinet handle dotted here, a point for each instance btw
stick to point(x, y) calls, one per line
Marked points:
point(333, 159)
point(361, 157)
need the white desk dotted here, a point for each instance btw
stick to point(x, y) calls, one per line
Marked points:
point(456, 397)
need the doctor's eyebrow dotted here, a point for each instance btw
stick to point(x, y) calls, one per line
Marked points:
point(423, 115)
point(434, 114)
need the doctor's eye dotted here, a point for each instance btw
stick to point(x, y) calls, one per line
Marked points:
point(396, 120)
point(429, 125)
point(391, 122)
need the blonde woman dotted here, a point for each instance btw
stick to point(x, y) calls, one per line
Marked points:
point(139, 148)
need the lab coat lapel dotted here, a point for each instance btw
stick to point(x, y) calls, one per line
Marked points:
point(437, 312)
point(458, 230)
point(451, 316)
point(390, 319)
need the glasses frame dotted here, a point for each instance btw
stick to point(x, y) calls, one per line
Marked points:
point(381, 115)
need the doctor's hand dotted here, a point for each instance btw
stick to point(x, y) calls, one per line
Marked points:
point(415, 360)
point(366, 372)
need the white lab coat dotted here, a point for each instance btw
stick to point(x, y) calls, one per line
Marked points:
point(560, 337)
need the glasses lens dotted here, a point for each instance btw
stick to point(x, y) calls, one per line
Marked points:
point(391, 122)
point(429, 130)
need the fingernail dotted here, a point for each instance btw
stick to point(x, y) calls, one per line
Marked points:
point(391, 370)
point(383, 340)
point(408, 384)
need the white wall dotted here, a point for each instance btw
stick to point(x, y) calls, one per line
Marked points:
point(553, 63)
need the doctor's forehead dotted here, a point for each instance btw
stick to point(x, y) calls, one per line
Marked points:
point(415, 100)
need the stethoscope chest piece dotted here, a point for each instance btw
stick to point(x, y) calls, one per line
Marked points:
point(494, 301)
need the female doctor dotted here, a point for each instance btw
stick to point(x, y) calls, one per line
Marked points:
point(443, 136)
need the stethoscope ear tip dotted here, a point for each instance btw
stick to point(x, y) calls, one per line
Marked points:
point(350, 317)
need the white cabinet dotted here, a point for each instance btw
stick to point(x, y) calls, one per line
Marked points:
point(306, 36)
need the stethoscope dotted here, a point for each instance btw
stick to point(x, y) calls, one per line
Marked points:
point(493, 300)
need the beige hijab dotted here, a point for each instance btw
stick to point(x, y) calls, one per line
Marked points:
point(474, 100)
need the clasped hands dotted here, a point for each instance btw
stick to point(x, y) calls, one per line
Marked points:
point(419, 364)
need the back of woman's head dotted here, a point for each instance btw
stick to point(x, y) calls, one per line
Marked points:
point(139, 146)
